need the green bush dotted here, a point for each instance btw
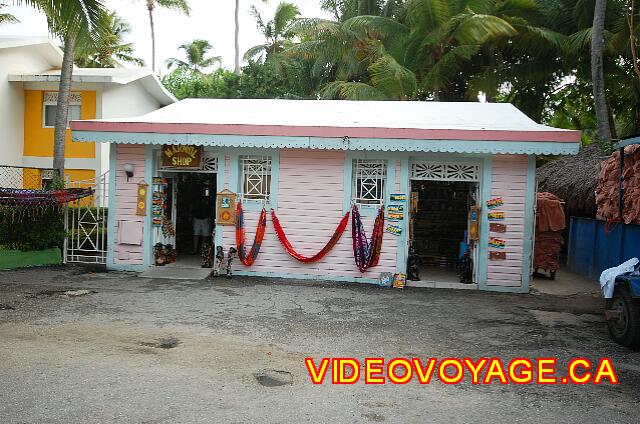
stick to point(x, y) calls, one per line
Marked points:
point(28, 229)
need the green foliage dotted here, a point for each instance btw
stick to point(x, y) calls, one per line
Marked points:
point(111, 46)
point(183, 83)
point(22, 228)
point(195, 52)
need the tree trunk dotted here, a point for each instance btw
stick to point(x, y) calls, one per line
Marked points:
point(153, 35)
point(236, 69)
point(597, 71)
point(62, 107)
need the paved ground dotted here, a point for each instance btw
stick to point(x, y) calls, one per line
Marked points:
point(138, 350)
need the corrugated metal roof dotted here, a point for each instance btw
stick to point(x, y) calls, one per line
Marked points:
point(344, 114)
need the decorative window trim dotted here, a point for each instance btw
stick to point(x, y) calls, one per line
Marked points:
point(259, 172)
point(445, 171)
point(50, 98)
point(368, 181)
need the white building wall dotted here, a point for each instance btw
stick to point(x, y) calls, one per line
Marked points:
point(15, 60)
point(119, 101)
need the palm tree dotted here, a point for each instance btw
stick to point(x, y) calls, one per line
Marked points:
point(179, 5)
point(597, 71)
point(111, 48)
point(196, 52)
point(78, 22)
point(236, 38)
point(277, 31)
point(6, 18)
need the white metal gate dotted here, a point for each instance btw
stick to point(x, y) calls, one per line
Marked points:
point(86, 224)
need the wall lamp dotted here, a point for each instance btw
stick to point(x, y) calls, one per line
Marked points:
point(128, 170)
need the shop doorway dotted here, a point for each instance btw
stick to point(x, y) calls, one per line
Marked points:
point(190, 207)
point(442, 250)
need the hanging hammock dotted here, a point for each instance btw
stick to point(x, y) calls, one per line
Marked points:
point(249, 258)
point(308, 259)
point(25, 197)
point(366, 254)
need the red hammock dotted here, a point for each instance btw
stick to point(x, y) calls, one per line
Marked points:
point(308, 259)
point(366, 253)
point(26, 197)
point(249, 259)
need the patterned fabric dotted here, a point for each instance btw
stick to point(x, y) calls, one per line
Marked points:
point(307, 259)
point(366, 254)
point(248, 259)
point(22, 197)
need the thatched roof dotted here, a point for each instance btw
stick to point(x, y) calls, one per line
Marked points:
point(574, 179)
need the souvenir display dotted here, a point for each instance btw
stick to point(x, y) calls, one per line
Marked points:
point(393, 229)
point(494, 255)
point(496, 216)
point(226, 208)
point(497, 227)
point(308, 259)
point(385, 279)
point(398, 197)
point(399, 281)
point(248, 258)
point(495, 202)
point(496, 243)
point(366, 253)
point(219, 260)
point(413, 265)
point(206, 255)
point(230, 257)
point(141, 203)
point(466, 268)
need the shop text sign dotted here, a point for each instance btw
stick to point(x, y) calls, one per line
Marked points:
point(181, 156)
point(455, 370)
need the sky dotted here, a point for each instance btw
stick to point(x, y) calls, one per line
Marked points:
point(210, 19)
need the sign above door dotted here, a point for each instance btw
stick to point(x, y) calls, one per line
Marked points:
point(181, 157)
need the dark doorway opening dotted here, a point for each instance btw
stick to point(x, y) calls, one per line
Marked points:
point(196, 201)
point(439, 227)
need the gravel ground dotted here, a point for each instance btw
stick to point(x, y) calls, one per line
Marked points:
point(135, 350)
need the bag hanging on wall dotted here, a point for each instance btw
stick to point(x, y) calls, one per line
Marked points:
point(366, 254)
point(249, 258)
point(308, 259)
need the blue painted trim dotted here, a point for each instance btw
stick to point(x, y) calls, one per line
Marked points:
point(147, 242)
point(111, 218)
point(347, 172)
point(483, 234)
point(288, 276)
point(220, 184)
point(402, 252)
point(529, 222)
point(371, 144)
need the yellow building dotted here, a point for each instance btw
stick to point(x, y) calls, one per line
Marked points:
point(29, 78)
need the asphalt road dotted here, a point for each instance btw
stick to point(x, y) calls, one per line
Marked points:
point(136, 350)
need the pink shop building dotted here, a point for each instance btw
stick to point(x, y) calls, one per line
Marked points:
point(456, 182)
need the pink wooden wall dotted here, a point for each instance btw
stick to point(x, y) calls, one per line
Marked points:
point(125, 200)
point(309, 208)
point(509, 181)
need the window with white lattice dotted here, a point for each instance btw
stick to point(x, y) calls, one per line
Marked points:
point(49, 108)
point(369, 180)
point(256, 177)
